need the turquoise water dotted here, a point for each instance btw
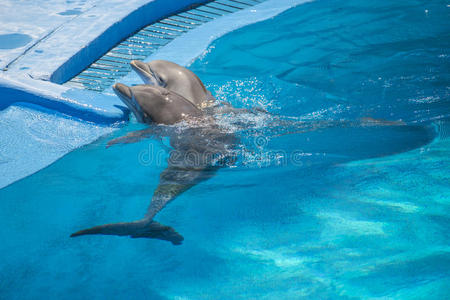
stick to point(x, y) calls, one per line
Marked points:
point(316, 212)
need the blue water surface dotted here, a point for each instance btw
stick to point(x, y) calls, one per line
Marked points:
point(358, 208)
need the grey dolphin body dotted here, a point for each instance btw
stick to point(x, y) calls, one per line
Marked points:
point(198, 151)
point(175, 78)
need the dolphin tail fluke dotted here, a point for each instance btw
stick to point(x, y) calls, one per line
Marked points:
point(138, 229)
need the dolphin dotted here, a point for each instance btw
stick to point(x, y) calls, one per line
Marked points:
point(201, 148)
point(198, 151)
point(175, 78)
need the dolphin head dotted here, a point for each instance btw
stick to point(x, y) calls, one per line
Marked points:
point(155, 104)
point(175, 78)
point(150, 73)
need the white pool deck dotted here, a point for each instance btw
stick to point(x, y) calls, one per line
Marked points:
point(40, 120)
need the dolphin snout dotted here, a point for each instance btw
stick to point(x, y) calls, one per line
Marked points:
point(122, 90)
point(126, 95)
point(139, 66)
point(146, 73)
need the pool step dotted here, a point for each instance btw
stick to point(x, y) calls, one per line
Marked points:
point(115, 63)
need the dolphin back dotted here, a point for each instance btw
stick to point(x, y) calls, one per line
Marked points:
point(137, 229)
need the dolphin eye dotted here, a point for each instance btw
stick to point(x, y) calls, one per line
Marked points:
point(161, 81)
point(156, 77)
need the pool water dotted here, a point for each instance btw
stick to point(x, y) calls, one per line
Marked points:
point(313, 211)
